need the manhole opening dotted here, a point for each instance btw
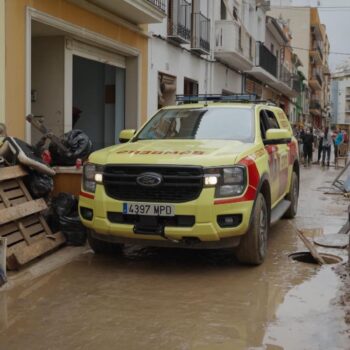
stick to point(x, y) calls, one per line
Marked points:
point(306, 257)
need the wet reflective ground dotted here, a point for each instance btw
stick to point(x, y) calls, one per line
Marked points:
point(180, 299)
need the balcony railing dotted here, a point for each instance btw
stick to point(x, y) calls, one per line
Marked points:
point(200, 33)
point(233, 45)
point(285, 75)
point(265, 59)
point(179, 21)
point(316, 74)
point(135, 11)
point(317, 45)
point(160, 4)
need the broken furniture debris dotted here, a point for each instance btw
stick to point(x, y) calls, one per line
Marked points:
point(21, 222)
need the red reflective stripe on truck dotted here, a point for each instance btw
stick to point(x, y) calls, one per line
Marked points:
point(87, 195)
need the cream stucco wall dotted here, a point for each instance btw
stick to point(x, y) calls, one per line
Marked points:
point(299, 24)
point(62, 10)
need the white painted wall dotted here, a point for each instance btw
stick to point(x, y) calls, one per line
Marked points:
point(48, 82)
point(343, 105)
point(212, 77)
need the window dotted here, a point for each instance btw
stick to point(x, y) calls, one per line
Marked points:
point(201, 124)
point(267, 121)
point(190, 87)
point(223, 11)
point(166, 90)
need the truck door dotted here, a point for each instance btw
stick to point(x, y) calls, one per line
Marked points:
point(278, 157)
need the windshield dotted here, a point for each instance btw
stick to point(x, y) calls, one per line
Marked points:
point(201, 124)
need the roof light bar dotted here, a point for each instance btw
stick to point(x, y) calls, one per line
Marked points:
point(216, 97)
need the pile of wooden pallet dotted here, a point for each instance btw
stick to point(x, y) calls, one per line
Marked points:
point(27, 233)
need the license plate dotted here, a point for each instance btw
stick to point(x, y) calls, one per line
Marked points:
point(149, 209)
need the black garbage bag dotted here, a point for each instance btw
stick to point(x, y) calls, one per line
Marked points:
point(73, 230)
point(39, 185)
point(65, 218)
point(64, 204)
point(79, 145)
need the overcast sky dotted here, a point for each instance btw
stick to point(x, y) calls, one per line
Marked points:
point(337, 21)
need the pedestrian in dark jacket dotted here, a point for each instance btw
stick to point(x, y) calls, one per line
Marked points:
point(327, 143)
point(308, 141)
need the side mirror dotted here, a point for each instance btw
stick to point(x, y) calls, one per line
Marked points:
point(126, 135)
point(277, 136)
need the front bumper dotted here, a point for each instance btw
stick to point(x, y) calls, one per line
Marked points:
point(206, 230)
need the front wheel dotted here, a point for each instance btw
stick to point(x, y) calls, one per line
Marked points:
point(293, 196)
point(253, 246)
point(102, 247)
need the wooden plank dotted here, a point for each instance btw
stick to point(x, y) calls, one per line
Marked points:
point(12, 172)
point(21, 210)
point(14, 238)
point(9, 185)
point(14, 193)
point(21, 256)
point(311, 248)
point(8, 228)
point(35, 229)
point(30, 220)
point(18, 201)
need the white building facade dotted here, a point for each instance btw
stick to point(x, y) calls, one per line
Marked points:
point(340, 96)
point(203, 47)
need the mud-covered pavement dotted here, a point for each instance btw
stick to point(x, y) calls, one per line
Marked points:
point(175, 299)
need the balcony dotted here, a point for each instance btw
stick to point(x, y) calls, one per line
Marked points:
point(134, 11)
point(315, 106)
point(316, 80)
point(347, 97)
point(265, 65)
point(200, 42)
point(285, 81)
point(297, 86)
point(317, 53)
point(179, 22)
point(233, 45)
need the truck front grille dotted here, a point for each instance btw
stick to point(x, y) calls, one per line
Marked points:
point(180, 184)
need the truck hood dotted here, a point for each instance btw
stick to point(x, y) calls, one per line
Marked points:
point(177, 152)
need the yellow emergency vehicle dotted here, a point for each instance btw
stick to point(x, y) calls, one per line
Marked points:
point(211, 172)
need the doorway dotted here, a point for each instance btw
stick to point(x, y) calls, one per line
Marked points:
point(98, 100)
point(77, 85)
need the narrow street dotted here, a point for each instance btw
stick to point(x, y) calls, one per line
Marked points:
point(176, 299)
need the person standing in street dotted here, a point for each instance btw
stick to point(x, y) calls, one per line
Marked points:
point(308, 141)
point(327, 143)
point(320, 136)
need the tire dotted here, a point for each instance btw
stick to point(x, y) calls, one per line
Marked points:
point(293, 196)
point(253, 246)
point(102, 247)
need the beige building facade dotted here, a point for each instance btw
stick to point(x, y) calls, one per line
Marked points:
point(77, 64)
point(310, 43)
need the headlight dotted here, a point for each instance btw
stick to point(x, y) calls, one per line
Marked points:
point(228, 181)
point(92, 174)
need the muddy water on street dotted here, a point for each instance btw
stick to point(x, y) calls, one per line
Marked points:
point(176, 299)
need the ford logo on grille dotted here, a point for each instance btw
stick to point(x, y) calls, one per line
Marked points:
point(149, 179)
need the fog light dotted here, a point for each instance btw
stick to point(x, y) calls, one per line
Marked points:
point(86, 213)
point(232, 220)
